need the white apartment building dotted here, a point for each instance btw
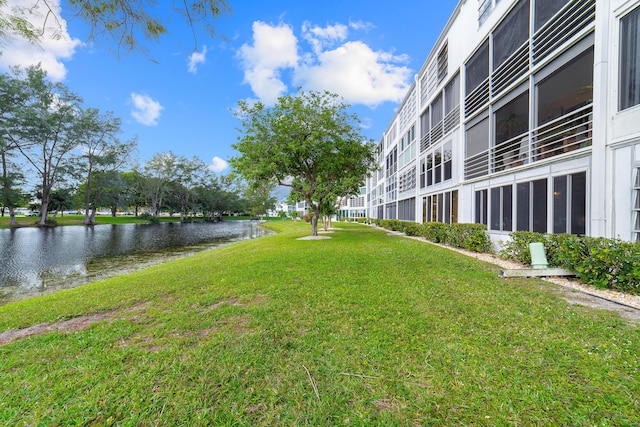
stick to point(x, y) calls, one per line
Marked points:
point(353, 207)
point(524, 116)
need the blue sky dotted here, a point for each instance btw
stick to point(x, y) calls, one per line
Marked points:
point(180, 99)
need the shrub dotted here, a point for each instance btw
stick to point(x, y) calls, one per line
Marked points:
point(611, 263)
point(472, 237)
point(517, 248)
point(434, 231)
point(148, 217)
point(603, 263)
point(412, 229)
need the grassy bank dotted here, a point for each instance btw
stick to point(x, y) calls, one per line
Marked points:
point(29, 221)
point(361, 329)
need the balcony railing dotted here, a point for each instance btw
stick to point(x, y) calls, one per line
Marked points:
point(559, 136)
point(564, 134)
point(440, 129)
point(572, 19)
point(477, 98)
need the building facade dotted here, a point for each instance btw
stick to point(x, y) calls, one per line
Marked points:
point(524, 116)
point(353, 207)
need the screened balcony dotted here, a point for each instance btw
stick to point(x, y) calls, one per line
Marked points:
point(563, 135)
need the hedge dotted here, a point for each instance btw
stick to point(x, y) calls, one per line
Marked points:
point(472, 237)
point(603, 263)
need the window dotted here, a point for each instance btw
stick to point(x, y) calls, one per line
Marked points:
point(437, 161)
point(629, 89)
point(636, 206)
point(392, 162)
point(437, 114)
point(407, 180)
point(407, 210)
point(484, 10)
point(407, 148)
point(570, 203)
point(452, 95)
point(481, 207)
point(452, 104)
point(567, 89)
point(545, 9)
point(423, 173)
point(501, 208)
point(443, 59)
point(477, 69)
point(523, 207)
point(539, 211)
point(391, 189)
point(390, 211)
point(511, 127)
point(530, 215)
point(564, 113)
point(477, 146)
point(478, 138)
point(424, 124)
point(430, 170)
point(447, 160)
point(512, 32)
point(441, 207)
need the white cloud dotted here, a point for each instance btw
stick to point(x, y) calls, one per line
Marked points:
point(218, 164)
point(274, 48)
point(357, 73)
point(145, 110)
point(320, 37)
point(55, 45)
point(361, 25)
point(197, 58)
point(350, 68)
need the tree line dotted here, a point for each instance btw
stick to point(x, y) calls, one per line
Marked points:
point(73, 158)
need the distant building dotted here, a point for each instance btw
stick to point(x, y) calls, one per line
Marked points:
point(353, 207)
point(524, 116)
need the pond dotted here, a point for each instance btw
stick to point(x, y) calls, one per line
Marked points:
point(36, 261)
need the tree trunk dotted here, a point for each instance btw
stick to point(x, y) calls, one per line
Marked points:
point(314, 222)
point(114, 211)
point(43, 212)
point(12, 216)
point(92, 217)
point(87, 199)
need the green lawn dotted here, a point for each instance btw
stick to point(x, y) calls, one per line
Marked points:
point(361, 329)
point(30, 221)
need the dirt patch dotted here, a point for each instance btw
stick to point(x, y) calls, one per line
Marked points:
point(68, 326)
point(64, 326)
point(314, 238)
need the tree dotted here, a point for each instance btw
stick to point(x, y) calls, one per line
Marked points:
point(102, 152)
point(13, 95)
point(188, 174)
point(59, 201)
point(217, 195)
point(260, 199)
point(47, 131)
point(132, 193)
point(121, 23)
point(159, 172)
point(308, 142)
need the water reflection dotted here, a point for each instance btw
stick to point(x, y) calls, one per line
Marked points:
point(35, 261)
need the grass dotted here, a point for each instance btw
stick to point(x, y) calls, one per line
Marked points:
point(27, 221)
point(361, 329)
